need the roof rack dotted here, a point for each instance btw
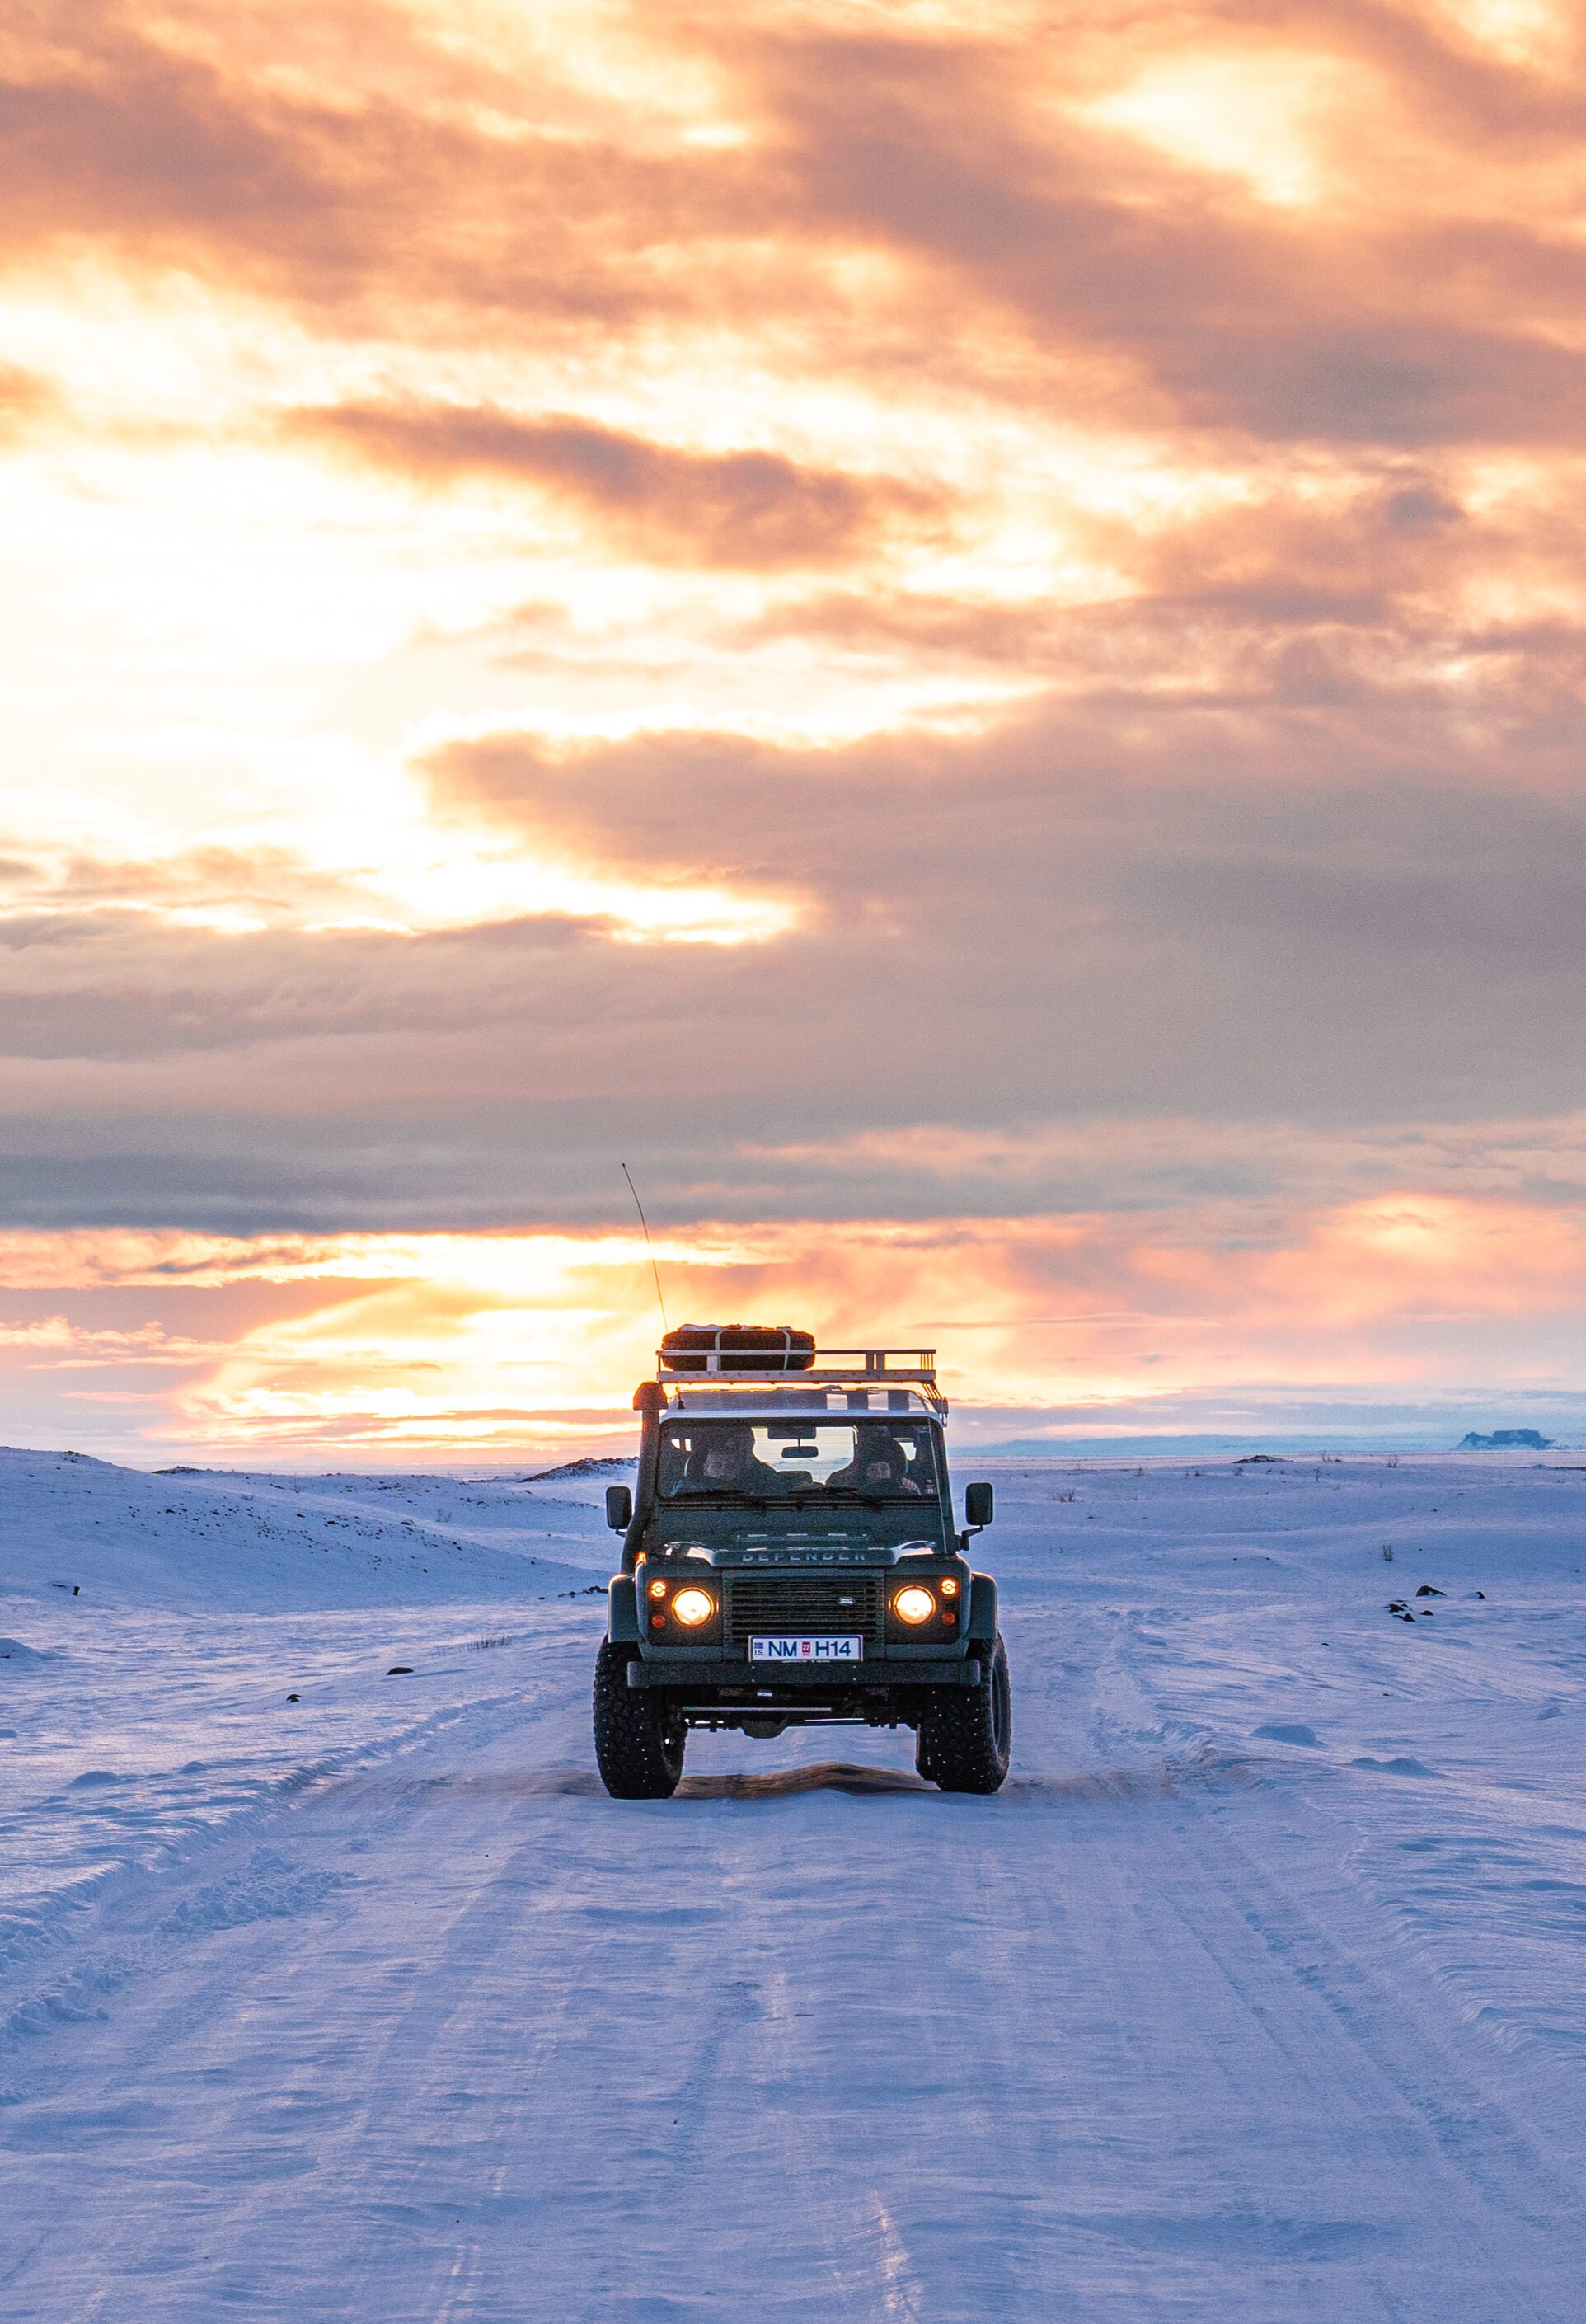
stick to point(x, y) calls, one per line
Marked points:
point(846, 1368)
point(829, 1366)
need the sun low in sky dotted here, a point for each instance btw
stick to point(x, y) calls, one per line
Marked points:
point(956, 631)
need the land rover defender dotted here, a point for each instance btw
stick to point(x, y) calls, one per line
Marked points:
point(790, 1559)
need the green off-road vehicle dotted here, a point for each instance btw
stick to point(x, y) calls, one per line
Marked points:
point(789, 1560)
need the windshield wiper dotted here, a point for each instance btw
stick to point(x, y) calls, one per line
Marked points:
point(875, 1500)
point(720, 1493)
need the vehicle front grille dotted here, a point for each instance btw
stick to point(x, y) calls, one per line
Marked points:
point(762, 1603)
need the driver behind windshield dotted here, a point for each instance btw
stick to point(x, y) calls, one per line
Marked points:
point(878, 1466)
point(723, 1461)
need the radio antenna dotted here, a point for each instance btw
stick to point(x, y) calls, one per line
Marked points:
point(649, 1246)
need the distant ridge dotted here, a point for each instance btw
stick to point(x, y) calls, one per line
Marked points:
point(1196, 1448)
point(587, 1467)
point(1507, 1440)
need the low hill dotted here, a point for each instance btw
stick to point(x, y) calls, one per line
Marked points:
point(70, 1523)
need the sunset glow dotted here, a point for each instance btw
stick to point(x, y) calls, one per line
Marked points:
point(956, 631)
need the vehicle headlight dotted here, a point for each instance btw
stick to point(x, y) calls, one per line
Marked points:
point(914, 1604)
point(692, 1607)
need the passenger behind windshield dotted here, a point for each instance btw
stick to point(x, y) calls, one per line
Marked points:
point(880, 1465)
point(720, 1460)
point(775, 1459)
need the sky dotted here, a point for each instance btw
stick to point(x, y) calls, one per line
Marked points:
point(955, 631)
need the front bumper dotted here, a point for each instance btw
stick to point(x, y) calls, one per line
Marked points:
point(879, 1673)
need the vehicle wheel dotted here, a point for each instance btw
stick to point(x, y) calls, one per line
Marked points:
point(967, 1730)
point(638, 1752)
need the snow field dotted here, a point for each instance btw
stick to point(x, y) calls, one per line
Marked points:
point(1256, 1995)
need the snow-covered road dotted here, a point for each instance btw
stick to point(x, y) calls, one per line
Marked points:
point(1257, 1994)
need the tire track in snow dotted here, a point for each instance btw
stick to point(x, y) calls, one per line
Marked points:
point(1372, 2039)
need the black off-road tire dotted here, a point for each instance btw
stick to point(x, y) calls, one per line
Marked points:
point(965, 1732)
point(638, 1750)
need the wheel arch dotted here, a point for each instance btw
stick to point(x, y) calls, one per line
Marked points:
point(983, 1610)
point(622, 1610)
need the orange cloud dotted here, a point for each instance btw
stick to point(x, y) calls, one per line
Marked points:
point(753, 509)
point(425, 1345)
point(24, 400)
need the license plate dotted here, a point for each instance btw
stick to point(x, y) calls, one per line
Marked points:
point(807, 1650)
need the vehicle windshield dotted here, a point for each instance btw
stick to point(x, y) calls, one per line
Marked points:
point(766, 1460)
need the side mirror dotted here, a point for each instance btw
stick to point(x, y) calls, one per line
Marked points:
point(977, 1506)
point(619, 1508)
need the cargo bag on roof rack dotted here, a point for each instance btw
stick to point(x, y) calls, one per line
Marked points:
point(738, 1348)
